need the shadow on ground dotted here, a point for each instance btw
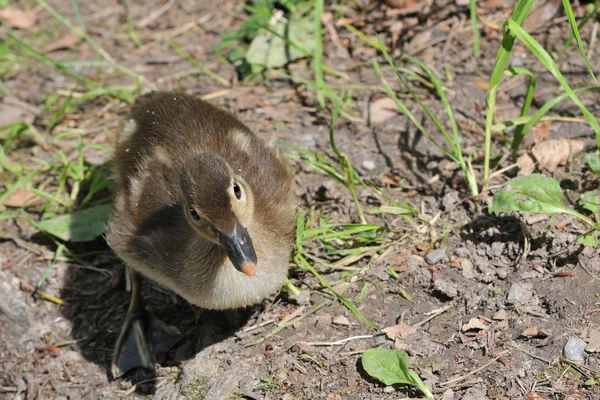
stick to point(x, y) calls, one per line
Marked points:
point(98, 304)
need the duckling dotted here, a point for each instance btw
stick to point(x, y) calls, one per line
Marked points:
point(203, 207)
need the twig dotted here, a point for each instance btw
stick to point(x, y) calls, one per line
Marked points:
point(253, 327)
point(156, 14)
point(476, 370)
point(339, 342)
point(432, 315)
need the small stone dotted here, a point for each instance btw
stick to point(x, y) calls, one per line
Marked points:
point(389, 389)
point(500, 315)
point(474, 394)
point(302, 298)
point(445, 287)
point(368, 165)
point(574, 350)
point(467, 269)
point(520, 293)
point(448, 395)
point(449, 199)
point(436, 256)
point(502, 272)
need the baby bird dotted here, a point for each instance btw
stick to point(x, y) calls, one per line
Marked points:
point(203, 207)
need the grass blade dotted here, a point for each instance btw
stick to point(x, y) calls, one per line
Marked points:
point(318, 57)
point(300, 260)
point(545, 59)
point(476, 47)
point(575, 29)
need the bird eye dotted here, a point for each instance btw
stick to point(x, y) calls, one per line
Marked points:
point(237, 191)
point(194, 214)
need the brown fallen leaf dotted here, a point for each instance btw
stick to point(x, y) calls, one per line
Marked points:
point(16, 18)
point(552, 153)
point(20, 198)
point(541, 130)
point(500, 315)
point(541, 13)
point(474, 324)
point(64, 42)
point(14, 111)
point(381, 110)
point(535, 332)
point(401, 330)
point(549, 155)
point(482, 85)
point(341, 320)
point(403, 3)
point(526, 164)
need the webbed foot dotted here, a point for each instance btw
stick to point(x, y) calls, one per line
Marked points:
point(142, 335)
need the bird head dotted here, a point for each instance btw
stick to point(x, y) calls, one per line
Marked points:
point(218, 205)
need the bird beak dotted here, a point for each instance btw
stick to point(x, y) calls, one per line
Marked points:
point(240, 250)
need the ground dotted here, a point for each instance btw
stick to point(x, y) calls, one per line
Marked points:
point(484, 320)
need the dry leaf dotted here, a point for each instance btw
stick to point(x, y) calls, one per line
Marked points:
point(403, 3)
point(420, 39)
point(16, 18)
point(526, 165)
point(400, 345)
point(341, 320)
point(541, 14)
point(20, 198)
point(482, 85)
point(489, 4)
point(65, 42)
point(399, 331)
point(382, 110)
point(552, 153)
point(14, 111)
point(535, 332)
point(541, 130)
point(500, 315)
point(474, 324)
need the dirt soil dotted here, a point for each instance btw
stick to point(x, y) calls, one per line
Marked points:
point(488, 323)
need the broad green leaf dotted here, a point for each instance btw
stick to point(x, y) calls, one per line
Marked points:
point(590, 202)
point(272, 51)
point(588, 240)
point(593, 161)
point(532, 193)
point(78, 226)
point(388, 366)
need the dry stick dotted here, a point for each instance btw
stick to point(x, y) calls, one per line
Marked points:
point(253, 327)
point(460, 378)
point(214, 95)
point(339, 342)
point(532, 355)
point(156, 14)
point(282, 325)
point(434, 314)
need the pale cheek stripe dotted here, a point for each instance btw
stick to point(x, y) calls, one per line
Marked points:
point(128, 130)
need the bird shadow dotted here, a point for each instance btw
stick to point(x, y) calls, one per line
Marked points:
point(97, 304)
